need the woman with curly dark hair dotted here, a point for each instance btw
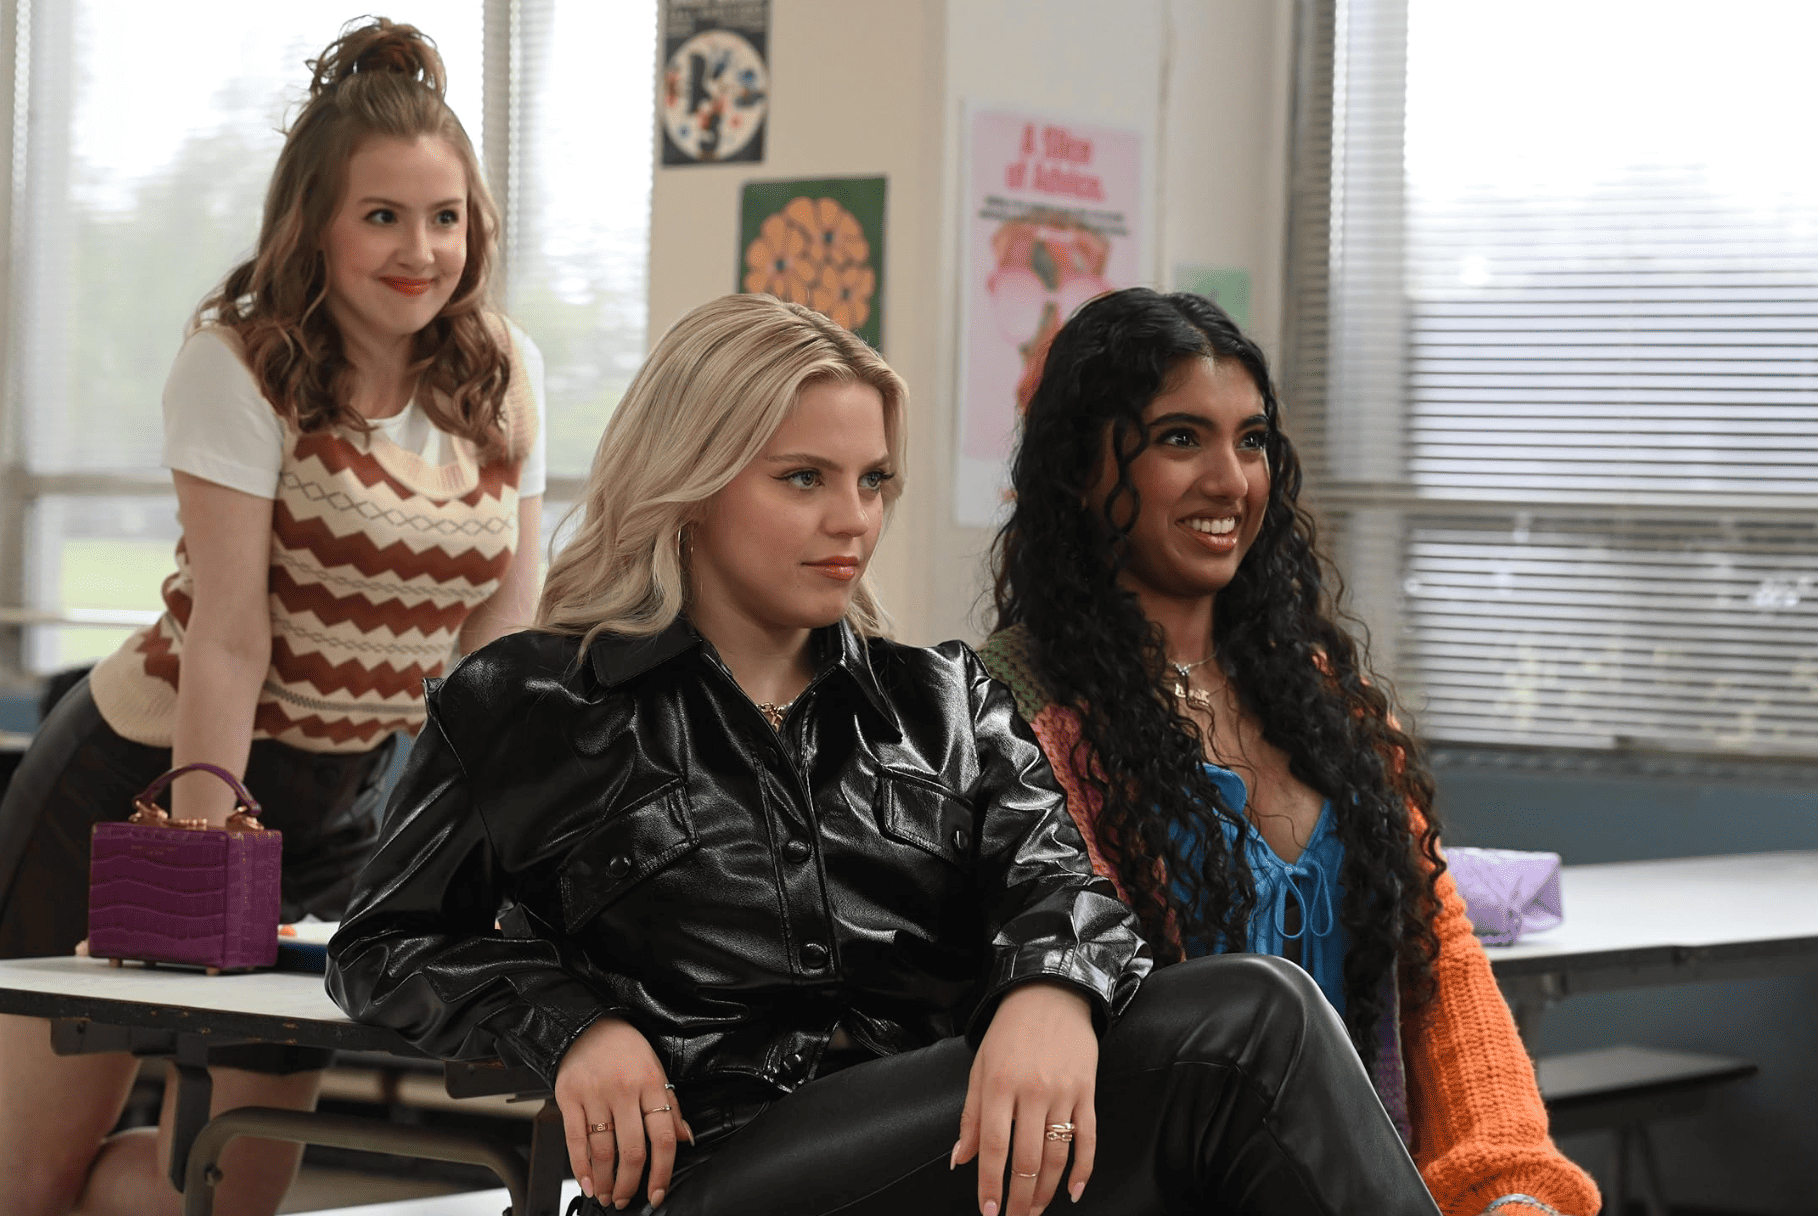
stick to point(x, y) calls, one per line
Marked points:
point(1164, 619)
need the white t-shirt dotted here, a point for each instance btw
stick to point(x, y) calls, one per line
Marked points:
point(219, 427)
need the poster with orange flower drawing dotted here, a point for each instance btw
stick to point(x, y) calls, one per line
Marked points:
point(819, 243)
point(1053, 209)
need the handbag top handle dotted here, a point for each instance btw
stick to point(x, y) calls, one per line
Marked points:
point(244, 802)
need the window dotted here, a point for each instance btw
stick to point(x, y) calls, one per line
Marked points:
point(143, 138)
point(1552, 363)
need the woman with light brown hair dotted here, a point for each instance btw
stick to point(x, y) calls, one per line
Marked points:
point(354, 438)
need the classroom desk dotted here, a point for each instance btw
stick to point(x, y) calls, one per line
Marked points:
point(1637, 924)
point(1627, 925)
point(167, 1011)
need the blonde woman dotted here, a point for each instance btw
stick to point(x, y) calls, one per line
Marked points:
point(353, 440)
point(798, 921)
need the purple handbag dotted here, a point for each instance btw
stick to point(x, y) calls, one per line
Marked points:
point(1507, 892)
point(169, 890)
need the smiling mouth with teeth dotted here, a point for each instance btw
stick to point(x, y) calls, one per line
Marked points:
point(1216, 527)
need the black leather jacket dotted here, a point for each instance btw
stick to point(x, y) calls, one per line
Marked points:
point(890, 864)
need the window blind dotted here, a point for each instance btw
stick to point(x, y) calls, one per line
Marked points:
point(1595, 486)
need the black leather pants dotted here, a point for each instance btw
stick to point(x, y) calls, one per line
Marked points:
point(1227, 1087)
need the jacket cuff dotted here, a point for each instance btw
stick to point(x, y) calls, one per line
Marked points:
point(1070, 966)
point(559, 1010)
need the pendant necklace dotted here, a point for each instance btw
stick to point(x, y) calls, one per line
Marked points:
point(773, 714)
point(1199, 698)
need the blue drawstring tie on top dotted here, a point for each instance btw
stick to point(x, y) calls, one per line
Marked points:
point(1310, 879)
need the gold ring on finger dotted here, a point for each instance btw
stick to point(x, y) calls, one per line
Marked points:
point(657, 1110)
point(1054, 1135)
point(1060, 1127)
point(599, 1127)
point(1020, 1174)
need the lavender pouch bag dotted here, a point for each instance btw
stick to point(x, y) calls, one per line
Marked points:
point(165, 890)
point(1507, 892)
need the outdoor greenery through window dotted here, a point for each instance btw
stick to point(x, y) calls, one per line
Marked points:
point(144, 137)
point(1565, 416)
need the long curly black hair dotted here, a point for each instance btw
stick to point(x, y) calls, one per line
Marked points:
point(1278, 637)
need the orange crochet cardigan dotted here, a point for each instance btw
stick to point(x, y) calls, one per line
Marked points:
point(1476, 1126)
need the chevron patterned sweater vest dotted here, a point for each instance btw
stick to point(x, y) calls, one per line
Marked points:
point(377, 557)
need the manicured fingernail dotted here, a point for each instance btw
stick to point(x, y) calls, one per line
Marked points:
point(990, 1208)
point(587, 1187)
point(1076, 1190)
point(621, 1204)
point(953, 1157)
point(656, 1198)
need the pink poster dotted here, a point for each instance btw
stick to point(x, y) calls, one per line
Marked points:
point(1052, 212)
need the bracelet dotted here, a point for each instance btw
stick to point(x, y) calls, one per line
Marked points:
point(1503, 1201)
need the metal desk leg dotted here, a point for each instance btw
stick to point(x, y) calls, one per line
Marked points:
point(548, 1160)
point(1527, 1021)
point(1655, 1203)
point(1529, 997)
point(195, 1093)
point(342, 1131)
point(189, 1060)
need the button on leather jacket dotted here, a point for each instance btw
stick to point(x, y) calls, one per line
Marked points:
point(889, 862)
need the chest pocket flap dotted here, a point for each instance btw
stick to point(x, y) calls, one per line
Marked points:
point(916, 811)
point(628, 848)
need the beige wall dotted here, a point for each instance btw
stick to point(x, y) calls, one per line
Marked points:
point(866, 87)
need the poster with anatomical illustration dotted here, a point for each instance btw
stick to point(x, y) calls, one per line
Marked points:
point(1052, 221)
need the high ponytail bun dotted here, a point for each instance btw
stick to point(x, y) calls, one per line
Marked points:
point(381, 46)
point(380, 81)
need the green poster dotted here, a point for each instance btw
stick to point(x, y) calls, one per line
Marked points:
point(1229, 289)
point(819, 243)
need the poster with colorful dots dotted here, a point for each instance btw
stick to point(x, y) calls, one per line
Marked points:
point(715, 90)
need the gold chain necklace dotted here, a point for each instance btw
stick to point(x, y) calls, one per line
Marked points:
point(1199, 698)
point(773, 714)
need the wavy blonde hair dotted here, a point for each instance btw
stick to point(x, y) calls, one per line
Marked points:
point(379, 80)
point(702, 407)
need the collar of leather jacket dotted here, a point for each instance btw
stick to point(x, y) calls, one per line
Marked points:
point(616, 658)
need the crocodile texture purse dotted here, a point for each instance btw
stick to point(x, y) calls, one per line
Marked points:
point(165, 890)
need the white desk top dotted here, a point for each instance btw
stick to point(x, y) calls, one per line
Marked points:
point(1621, 909)
point(1699, 903)
point(263, 1006)
point(293, 996)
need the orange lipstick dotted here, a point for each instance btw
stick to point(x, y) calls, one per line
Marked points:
point(845, 569)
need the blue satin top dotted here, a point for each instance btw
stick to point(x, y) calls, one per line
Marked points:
point(1312, 878)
